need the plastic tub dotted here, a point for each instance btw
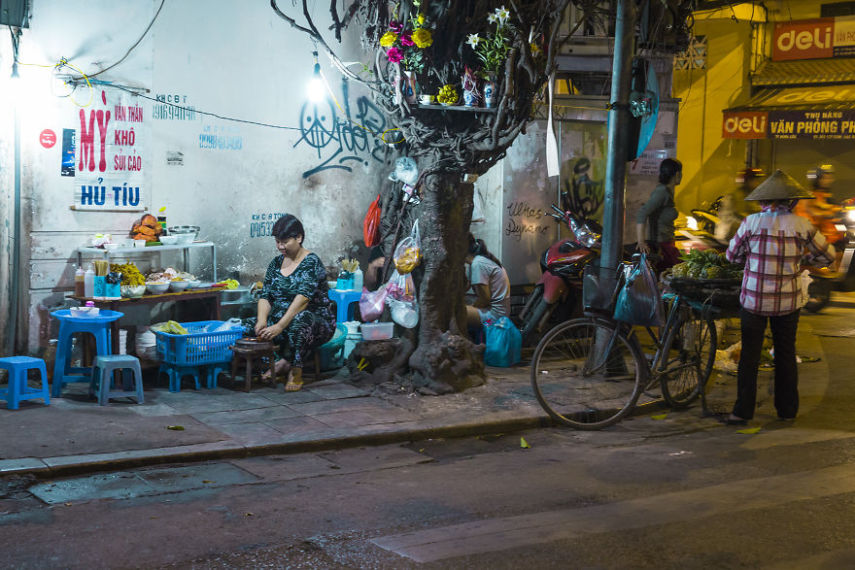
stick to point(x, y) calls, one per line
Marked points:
point(377, 331)
point(332, 353)
point(200, 346)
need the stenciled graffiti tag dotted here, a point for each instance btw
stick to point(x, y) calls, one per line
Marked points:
point(341, 141)
point(582, 195)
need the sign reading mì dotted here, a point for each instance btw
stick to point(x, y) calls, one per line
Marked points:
point(814, 39)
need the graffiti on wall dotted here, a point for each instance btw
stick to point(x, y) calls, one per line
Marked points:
point(581, 194)
point(523, 219)
point(109, 162)
point(353, 136)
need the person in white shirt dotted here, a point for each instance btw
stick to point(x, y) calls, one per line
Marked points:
point(490, 284)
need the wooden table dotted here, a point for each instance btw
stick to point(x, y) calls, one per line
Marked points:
point(209, 296)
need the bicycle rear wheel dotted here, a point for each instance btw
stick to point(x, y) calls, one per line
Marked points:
point(690, 360)
point(586, 373)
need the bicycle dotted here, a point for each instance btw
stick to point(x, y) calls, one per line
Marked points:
point(589, 372)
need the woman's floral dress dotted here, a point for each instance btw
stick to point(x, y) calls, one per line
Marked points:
point(311, 327)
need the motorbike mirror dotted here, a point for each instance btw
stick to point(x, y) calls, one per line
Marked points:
point(557, 209)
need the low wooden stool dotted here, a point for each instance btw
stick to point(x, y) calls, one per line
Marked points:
point(250, 349)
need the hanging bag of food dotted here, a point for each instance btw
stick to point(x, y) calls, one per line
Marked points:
point(371, 224)
point(408, 251)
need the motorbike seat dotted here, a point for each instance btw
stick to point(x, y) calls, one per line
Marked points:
point(567, 246)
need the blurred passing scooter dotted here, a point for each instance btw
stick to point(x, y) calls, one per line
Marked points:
point(843, 279)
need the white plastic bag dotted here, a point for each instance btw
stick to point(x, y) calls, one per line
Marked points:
point(405, 313)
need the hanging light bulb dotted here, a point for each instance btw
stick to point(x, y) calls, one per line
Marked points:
point(315, 89)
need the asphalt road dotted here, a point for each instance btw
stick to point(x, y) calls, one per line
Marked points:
point(679, 491)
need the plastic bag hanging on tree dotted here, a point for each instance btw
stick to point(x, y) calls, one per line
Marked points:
point(371, 304)
point(408, 251)
point(371, 224)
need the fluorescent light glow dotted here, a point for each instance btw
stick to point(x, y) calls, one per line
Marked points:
point(692, 223)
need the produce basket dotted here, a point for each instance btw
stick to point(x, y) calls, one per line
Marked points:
point(200, 346)
point(717, 293)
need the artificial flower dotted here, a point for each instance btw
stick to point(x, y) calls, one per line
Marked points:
point(388, 39)
point(396, 26)
point(422, 38)
point(472, 40)
point(502, 15)
point(492, 18)
point(394, 55)
point(421, 19)
point(535, 49)
point(407, 39)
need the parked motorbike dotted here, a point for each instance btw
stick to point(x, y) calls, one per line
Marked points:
point(823, 282)
point(557, 294)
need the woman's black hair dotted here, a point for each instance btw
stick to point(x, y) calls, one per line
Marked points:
point(478, 247)
point(668, 169)
point(288, 226)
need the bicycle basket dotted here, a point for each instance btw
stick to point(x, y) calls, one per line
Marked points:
point(719, 293)
point(600, 286)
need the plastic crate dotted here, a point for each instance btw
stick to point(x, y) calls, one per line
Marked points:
point(200, 346)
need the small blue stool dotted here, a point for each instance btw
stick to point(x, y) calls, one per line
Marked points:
point(98, 326)
point(102, 381)
point(343, 300)
point(17, 390)
point(176, 372)
point(213, 371)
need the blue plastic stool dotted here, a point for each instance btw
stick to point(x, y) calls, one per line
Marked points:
point(343, 301)
point(17, 390)
point(99, 327)
point(176, 373)
point(102, 381)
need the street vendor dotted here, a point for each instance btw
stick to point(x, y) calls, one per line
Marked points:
point(294, 310)
point(772, 244)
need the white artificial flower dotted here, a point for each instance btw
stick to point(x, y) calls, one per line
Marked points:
point(492, 18)
point(502, 15)
point(472, 40)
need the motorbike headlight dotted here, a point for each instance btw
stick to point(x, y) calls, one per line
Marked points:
point(850, 215)
point(692, 223)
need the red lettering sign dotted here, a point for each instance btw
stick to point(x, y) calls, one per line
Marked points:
point(47, 138)
point(804, 39)
point(744, 125)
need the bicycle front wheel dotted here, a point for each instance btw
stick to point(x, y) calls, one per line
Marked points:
point(690, 360)
point(586, 373)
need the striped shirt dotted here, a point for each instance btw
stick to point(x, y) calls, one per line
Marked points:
point(771, 245)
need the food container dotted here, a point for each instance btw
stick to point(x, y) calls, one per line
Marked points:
point(178, 285)
point(168, 240)
point(185, 234)
point(193, 284)
point(84, 311)
point(133, 290)
point(140, 243)
point(184, 239)
point(377, 331)
point(111, 246)
point(157, 287)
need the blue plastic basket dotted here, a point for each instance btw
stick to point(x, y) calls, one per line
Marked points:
point(200, 346)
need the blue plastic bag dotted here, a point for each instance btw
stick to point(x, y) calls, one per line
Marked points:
point(639, 301)
point(504, 343)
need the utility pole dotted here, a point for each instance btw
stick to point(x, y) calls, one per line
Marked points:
point(618, 141)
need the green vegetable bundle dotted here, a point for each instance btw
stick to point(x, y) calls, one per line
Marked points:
point(706, 264)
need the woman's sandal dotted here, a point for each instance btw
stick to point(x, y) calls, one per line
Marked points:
point(278, 370)
point(294, 384)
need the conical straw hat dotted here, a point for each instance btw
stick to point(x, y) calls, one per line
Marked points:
point(779, 186)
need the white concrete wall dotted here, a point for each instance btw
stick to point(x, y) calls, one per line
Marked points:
point(230, 59)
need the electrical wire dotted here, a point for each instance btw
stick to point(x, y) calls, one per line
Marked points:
point(130, 49)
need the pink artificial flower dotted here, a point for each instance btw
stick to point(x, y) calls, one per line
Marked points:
point(407, 39)
point(396, 26)
point(394, 55)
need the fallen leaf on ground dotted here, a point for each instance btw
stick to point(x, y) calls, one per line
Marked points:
point(659, 417)
point(207, 481)
point(524, 444)
point(749, 431)
point(175, 428)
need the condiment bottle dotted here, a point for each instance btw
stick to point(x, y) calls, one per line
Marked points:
point(89, 282)
point(357, 279)
point(79, 282)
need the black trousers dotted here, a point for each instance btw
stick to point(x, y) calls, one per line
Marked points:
point(786, 374)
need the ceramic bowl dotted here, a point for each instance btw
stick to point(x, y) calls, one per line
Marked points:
point(157, 287)
point(111, 246)
point(133, 290)
point(193, 284)
point(178, 285)
point(168, 240)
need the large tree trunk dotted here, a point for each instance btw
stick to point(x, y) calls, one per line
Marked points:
point(445, 359)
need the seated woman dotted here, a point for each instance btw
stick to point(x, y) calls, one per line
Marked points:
point(294, 310)
point(489, 281)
